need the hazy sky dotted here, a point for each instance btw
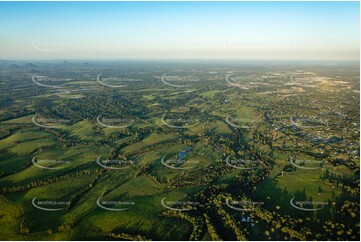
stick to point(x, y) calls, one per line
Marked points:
point(211, 30)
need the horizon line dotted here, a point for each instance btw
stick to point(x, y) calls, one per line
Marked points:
point(172, 59)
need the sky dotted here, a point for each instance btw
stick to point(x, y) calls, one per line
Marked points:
point(180, 30)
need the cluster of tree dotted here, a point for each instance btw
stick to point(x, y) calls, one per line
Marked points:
point(201, 176)
point(228, 221)
point(211, 229)
point(66, 226)
point(9, 114)
point(126, 236)
point(347, 182)
point(156, 146)
point(196, 221)
point(51, 180)
point(78, 195)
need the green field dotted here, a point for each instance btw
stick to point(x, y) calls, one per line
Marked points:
point(209, 162)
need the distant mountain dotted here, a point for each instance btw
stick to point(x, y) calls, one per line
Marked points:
point(30, 65)
point(14, 66)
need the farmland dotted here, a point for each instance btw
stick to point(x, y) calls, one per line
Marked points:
point(145, 150)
